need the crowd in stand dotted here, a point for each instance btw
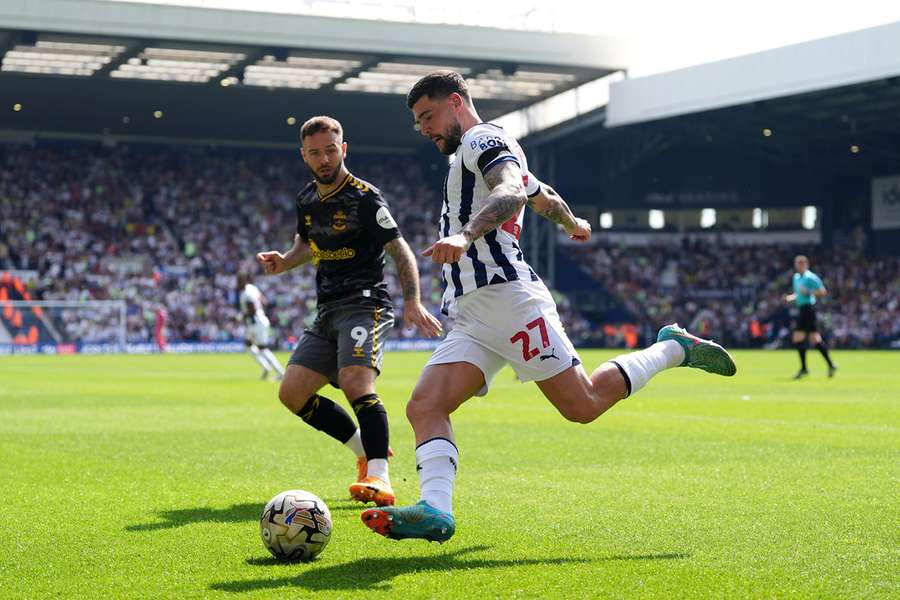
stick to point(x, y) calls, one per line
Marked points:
point(170, 227)
point(736, 293)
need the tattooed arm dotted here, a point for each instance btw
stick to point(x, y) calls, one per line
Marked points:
point(552, 207)
point(408, 273)
point(506, 199)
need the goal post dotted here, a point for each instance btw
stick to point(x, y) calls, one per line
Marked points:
point(64, 323)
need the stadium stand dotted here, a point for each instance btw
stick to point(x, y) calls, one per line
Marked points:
point(740, 299)
point(170, 226)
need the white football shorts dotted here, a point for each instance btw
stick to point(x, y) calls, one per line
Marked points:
point(258, 334)
point(515, 323)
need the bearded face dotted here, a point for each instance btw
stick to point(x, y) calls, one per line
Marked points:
point(323, 153)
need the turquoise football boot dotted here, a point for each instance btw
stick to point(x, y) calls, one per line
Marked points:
point(699, 353)
point(421, 520)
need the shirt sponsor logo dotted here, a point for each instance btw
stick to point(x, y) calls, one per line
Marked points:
point(488, 141)
point(340, 254)
point(384, 218)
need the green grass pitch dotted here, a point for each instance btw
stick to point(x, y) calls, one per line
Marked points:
point(144, 477)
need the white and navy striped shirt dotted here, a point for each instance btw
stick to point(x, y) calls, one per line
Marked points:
point(496, 257)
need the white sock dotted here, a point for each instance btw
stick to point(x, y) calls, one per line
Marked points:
point(436, 460)
point(259, 358)
point(273, 361)
point(640, 366)
point(378, 467)
point(355, 444)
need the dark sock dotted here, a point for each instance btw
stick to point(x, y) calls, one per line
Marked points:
point(801, 349)
point(325, 415)
point(824, 350)
point(373, 425)
point(624, 376)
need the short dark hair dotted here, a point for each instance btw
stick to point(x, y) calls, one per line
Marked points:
point(318, 124)
point(439, 84)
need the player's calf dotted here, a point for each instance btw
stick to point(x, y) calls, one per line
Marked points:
point(581, 399)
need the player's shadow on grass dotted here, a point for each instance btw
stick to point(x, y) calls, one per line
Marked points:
point(377, 572)
point(236, 513)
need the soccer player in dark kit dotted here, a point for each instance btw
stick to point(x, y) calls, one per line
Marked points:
point(344, 227)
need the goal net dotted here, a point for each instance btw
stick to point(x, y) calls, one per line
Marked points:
point(87, 325)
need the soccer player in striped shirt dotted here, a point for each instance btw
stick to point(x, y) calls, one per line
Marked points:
point(502, 312)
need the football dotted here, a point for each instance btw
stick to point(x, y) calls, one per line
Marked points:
point(295, 526)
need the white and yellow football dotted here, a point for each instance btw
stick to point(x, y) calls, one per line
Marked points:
point(295, 525)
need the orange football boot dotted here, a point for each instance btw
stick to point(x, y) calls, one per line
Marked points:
point(373, 489)
point(358, 491)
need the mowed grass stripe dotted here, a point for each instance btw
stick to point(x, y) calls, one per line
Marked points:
point(142, 476)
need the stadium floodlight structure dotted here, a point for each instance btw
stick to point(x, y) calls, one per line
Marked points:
point(100, 324)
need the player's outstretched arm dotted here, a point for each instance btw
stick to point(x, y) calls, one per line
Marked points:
point(550, 205)
point(506, 199)
point(408, 273)
point(274, 262)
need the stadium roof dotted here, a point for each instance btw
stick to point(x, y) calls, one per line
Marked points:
point(828, 107)
point(862, 56)
point(168, 71)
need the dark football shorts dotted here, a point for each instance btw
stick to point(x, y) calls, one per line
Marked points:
point(806, 319)
point(344, 335)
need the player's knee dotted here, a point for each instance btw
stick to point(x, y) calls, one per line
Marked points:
point(356, 382)
point(284, 395)
point(413, 410)
point(289, 397)
point(420, 407)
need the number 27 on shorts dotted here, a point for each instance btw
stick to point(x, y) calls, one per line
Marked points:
point(524, 336)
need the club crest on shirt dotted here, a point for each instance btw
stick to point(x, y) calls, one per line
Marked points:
point(307, 220)
point(340, 221)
